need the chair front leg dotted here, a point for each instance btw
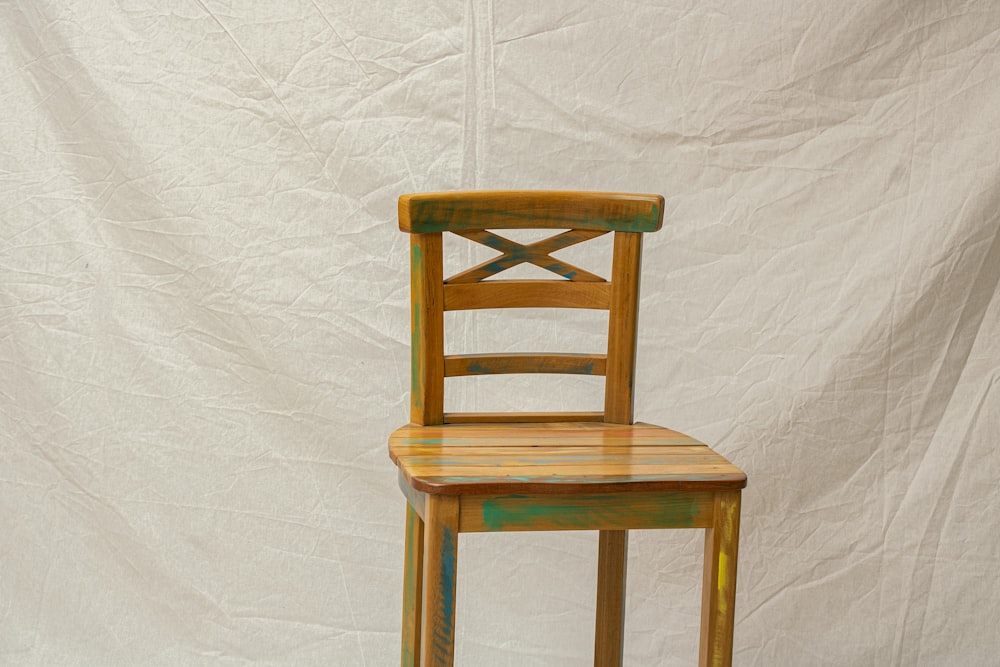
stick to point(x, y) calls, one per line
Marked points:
point(612, 559)
point(718, 595)
point(437, 643)
point(413, 580)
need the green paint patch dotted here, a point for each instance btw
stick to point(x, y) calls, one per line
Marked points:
point(519, 512)
point(428, 217)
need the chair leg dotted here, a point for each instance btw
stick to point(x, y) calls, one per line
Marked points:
point(413, 576)
point(718, 595)
point(612, 558)
point(437, 642)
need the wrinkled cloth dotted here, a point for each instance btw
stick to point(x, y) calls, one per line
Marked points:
point(204, 324)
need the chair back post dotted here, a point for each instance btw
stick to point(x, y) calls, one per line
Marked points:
point(622, 330)
point(426, 329)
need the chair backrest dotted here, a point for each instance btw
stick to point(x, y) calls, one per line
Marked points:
point(584, 215)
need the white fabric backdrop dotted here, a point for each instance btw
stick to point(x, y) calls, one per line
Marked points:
point(203, 317)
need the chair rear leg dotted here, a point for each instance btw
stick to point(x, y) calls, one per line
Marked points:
point(718, 595)
point(413, 576)
point(612, 559)
point(437, 642)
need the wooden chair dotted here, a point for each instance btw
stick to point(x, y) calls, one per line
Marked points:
point(545, 471)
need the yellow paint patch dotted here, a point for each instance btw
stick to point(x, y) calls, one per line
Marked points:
point(723, 558)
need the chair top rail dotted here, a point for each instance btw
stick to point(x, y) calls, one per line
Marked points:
point(501, 209)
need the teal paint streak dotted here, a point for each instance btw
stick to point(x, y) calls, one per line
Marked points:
point(499, 515)
point(415, 369)
point(500, 244)
point(476, 368)
point(560, 269)
point(444, 627)
point(417, 260)
point(501, 264)
point(411, 604)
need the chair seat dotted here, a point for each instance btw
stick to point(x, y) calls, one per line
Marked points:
point(557, 458)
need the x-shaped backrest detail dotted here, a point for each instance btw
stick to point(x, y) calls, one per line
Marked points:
point(537, 253)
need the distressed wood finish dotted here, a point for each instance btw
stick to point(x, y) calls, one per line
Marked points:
point(718, 594)
point(417, 500)
point(527, 294)
point(437, 639)
point(520, 417)
point(459, 459)
point(496, 472)
point(637, 434)
point(494, 364)
point(538, 253)
point(609, 627)
point(596, 511)
point(455, 211)
point(618, 393)
point(612, 560)
point(413, 576)
point(427, 329)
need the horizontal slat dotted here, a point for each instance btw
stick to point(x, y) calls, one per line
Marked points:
point(497, 364)
point(520, 417)
point(527, 294)
point(586, 512)
point(612, 211)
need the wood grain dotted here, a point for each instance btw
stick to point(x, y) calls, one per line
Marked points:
point(520, 417)
point(609, 628)
point(538, 253)
point(552, 432)
point(415, 499)
point(493, 472)
point(596, 511)
point(482, 459)
point(437, 641)
point(719, 582)
point(434, 212)
point(413, 574)
point(619, 385)
point(527, 294)
point(427, 330)
point(495, 364)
